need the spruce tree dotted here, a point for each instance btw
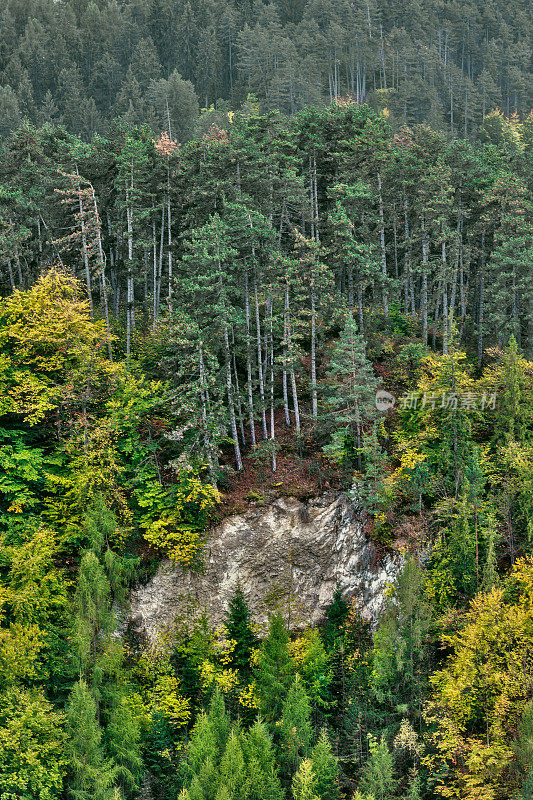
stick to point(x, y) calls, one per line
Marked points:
point(123, 743)
point(92, 775)
point(232, 767)
point(262, 772)
point(238, 624)
point(296, 730)
point(378, 773)
point(326, 768)
point(274, 670)
point(304, 782)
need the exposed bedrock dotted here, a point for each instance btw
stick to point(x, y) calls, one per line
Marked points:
point(299, 551)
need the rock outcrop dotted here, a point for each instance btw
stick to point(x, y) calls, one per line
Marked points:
point(297, 551)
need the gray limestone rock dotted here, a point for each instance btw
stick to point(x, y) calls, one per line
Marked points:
point(297, 551)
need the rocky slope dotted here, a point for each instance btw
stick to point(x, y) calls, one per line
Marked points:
point(291, 552)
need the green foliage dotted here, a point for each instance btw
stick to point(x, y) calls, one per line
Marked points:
point(274, 670)
point(174, 517)
point(351, 388)
point(201, 318)
point(238, 625)
point(92, 775)
point(32, 746)
point(326, 768)
point(295, 727)
point(378, 774)
point(225, 761)
point(400, 658)
point(304, 782)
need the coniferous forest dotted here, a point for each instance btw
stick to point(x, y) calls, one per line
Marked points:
point(251, 251)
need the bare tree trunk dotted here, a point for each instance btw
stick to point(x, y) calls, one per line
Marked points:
point(229, 382)
point(237, 391)
point(130, 322)
point(383, 250)
point(203, 393)
point(169, 238)
point(424, 292)
point(17, 255)
point(249, 359)
point(155, 275)
point(270, 305)
point(84, 250)
point(445, 334)
point(314, 392)
point(285, 350)
point(11, 278)
point(101, 260)
point(481, 302)
point(260, 363)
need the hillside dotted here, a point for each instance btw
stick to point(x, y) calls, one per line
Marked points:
point(280, 307)
point(84, 64)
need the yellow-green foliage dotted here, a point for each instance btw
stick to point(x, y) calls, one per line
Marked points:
point(176, 516)
point(480, 694)
point(52, 350)
point(160, 690)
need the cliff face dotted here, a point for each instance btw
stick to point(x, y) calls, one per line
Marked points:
point(296, 551)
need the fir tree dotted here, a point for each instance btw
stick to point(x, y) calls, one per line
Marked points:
point(262, 772)
point(122, 738)
point(378, 773)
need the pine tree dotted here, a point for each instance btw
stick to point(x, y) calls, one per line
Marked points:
point(351, 387)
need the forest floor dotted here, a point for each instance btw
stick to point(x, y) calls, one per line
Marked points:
point(302, 471)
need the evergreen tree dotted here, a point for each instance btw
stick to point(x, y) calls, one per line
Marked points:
point(122, 739)
point(92, 775)
point(400, 653)
point(295, 728)
point(378, 773)
point(238, 624)
point(304, 782)
point(273, 673)
point(336, 614)
point(10, 114)
point(262, 781)
point(232, 766)
point(351, 388)
point(326, 768)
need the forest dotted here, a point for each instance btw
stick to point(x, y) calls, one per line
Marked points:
point(322, 281)
point(83, 63)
